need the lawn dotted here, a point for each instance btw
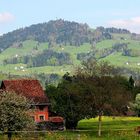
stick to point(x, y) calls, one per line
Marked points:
point(110, 123)
point(113, 128)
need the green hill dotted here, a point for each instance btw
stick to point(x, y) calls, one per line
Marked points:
point(57, 47)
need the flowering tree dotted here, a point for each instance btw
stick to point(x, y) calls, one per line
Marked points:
point(14, 113)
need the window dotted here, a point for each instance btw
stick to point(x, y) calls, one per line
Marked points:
point(42, 117)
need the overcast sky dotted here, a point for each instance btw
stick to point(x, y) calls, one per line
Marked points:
point(15, 14)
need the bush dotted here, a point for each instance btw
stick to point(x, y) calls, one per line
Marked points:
point(47, 125)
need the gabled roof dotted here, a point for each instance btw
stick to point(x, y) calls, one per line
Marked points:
point(31, 89)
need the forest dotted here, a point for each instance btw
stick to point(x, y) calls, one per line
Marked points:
point(59, 32)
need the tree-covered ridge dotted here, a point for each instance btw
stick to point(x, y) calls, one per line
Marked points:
point(58, 31)
point(114, 30)
point(54, 32)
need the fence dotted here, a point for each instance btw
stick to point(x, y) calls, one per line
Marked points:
point(119, 134)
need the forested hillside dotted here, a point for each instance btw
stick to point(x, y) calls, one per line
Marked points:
point(58, 46)
point(58, 32)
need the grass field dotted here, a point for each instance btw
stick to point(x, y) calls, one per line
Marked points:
point(14, 69)
point(73, 50)
point(110, 123)
point(113, 128)
point(28, 48)
point(119, 36)
point(116, 58)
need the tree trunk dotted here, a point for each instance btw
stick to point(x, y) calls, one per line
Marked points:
point(9, 135)
point(71, 124)
point(99, 125)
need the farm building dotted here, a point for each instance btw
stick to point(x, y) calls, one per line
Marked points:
point(32, 90)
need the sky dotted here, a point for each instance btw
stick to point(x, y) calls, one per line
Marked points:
point(15, 14)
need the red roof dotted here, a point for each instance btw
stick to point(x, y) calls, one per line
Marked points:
point(31, 89)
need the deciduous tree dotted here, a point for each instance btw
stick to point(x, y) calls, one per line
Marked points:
point(93, 91)
point(14, 113)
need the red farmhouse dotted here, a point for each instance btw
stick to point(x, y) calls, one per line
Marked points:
point(31, 89)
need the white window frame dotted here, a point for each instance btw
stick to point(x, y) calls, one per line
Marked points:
point(43, 117)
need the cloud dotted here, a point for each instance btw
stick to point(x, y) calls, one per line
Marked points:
point(133, 24)
point(6, 17)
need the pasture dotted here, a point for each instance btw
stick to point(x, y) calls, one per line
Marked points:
point(29, 48)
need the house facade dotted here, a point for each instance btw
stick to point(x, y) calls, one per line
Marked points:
point(33, 91)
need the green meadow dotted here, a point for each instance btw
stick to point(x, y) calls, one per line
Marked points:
point(113, 128)
point(110, 123)
point(115, 58)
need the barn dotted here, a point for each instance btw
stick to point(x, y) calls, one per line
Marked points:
point(32, 90)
